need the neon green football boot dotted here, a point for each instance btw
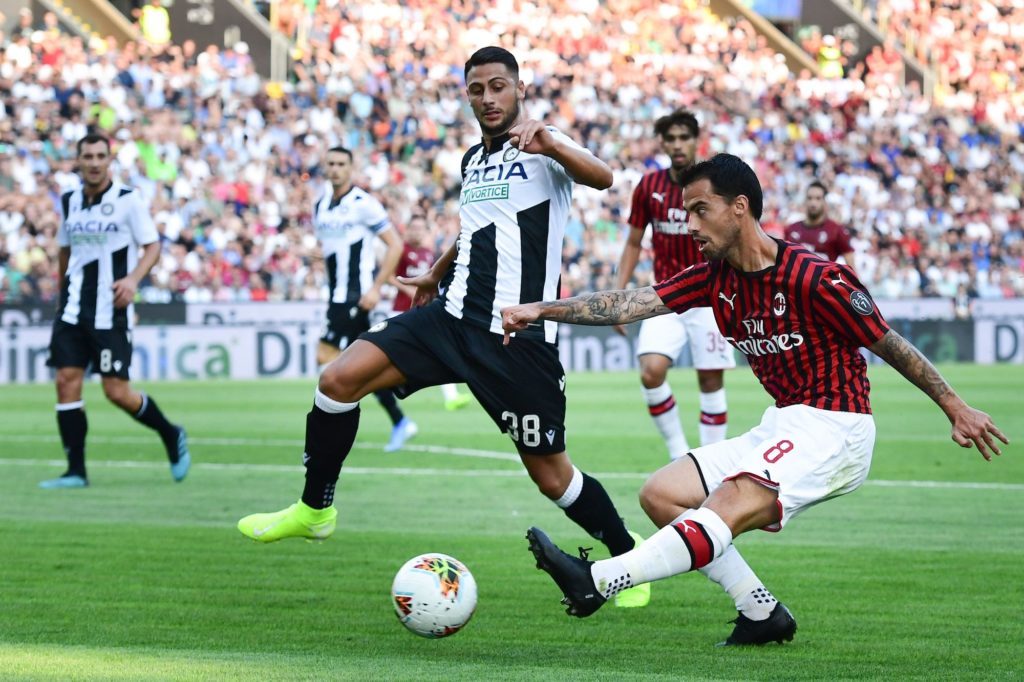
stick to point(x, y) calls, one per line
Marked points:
point(638, 596)
point(297, 521)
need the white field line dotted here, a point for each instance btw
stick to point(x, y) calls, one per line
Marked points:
point(391, 471)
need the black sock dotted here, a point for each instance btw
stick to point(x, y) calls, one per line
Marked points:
point(150, 415)
point(73, 426)
point(389, 402)
point(329, 438)
point(595, 513)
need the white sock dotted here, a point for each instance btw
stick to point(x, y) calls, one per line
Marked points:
point(712, 417)
point(735, 576)
point(572, 491)
point(331, 405)
point(693, 540)
point(449, 391)
point(665, 413)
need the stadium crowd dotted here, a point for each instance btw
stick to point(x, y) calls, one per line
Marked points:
point(932, 194)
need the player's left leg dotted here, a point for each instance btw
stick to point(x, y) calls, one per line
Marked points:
point(690, 542)
point(713, 407)
point(143, 409)
point(402, 428)
point(711, 355)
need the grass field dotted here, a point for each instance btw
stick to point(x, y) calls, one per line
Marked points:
point(915, 576)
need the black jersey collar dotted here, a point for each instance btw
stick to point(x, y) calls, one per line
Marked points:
point(496, 143)
point(87, 204)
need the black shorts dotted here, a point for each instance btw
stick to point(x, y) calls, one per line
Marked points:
point(107, 351)
point(345, 322)
point(522, 385)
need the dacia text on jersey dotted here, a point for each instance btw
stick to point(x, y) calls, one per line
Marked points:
point(89, 231)
point(496, 178)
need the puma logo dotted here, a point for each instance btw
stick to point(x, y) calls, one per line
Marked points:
point(660, 198)
point(728, 299)
point(838, 280)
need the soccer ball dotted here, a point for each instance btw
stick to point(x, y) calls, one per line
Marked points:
point(434, 595)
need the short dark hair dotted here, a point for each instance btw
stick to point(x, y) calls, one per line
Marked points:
point(92, 138)
point(493, 55)
point(730, 177)
point(819, 184)
point(679, 117)
point(341, 150)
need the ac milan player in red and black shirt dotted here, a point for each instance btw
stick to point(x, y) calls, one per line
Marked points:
point(658, 202)
point(819, 233)
point(800, 320)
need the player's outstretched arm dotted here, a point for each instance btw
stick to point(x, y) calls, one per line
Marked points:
point(585, 168)
point(597, 309)
point(970, 426)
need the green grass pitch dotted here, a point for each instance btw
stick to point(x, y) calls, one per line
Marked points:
point(915, 576)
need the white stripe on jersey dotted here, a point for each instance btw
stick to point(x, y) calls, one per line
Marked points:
point(346, 231)
point(104, 238)
point(526, 198)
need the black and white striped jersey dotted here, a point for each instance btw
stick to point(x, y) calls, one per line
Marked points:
point(346, 228)
point(104, 234)
point(514, 208)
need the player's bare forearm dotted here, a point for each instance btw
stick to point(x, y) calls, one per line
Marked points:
point(605, 307)
point(442, 264)
point(150, 255)
point(584, 167)
point(906, 359)
point(390, 260)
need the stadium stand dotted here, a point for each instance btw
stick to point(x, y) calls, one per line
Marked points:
point(931, 189)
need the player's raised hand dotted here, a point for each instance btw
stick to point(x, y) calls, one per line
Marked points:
point(516, 318)
point(531, 137)
point(426, 287)
point(124, 291)
point(974, 427)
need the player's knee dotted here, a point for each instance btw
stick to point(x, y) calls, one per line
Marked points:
point(656, 503)
point(652, 377)
point(69, 387)
point(118, 394)
point(710, 382)
point(336, 384)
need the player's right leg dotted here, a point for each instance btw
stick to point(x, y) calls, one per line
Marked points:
point(660, 341)
point(69, 354)
point(331, 427)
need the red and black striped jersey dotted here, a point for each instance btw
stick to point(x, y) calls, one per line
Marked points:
point(658, 202)
point(415, 261)
point(800, 323)
point(830, 239)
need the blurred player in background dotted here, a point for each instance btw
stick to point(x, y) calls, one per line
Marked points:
point(819, 233)
point(347, 219)
point(658, 202)
point(103, 225)
point(417, 257)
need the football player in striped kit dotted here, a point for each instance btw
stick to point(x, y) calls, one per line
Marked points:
point(103, 225)
point(515, 202)
point(658, 202)
point(801, 322)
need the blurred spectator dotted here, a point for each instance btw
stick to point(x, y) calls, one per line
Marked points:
point(931, 192)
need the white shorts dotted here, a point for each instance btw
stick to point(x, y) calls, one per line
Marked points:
point(667, 334)
point(806, 454)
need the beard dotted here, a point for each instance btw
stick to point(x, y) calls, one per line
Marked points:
point(501, 126)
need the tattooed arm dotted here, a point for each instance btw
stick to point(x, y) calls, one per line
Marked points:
point(599, 308)
point(970, 426)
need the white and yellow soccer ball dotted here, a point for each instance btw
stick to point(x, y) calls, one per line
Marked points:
point(434, 595)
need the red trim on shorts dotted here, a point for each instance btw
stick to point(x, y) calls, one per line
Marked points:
point(771, 485)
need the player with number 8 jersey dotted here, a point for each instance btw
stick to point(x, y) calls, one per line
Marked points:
point(800, 321)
